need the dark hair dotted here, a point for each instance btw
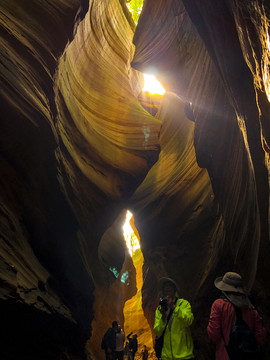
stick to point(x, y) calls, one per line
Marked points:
point(114, 323)
point(169, 283)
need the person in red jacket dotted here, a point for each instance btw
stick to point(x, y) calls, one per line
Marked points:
point(223, 314)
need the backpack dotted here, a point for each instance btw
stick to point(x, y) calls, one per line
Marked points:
point(104, 342)
point(108, 339)
point(103, 345)
point(159, 345)
point(242, 343)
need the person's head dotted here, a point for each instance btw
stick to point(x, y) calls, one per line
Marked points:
point(232, 289)
point(115, 326)
point(168, 287)
point(145, 347)
point(230, 282)
point(134, 336)
point(119, 328)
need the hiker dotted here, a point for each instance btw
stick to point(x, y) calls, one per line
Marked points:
point(126, 351)
point(144, 353)
point(223, 314)
point(119, 347)
point(173, 318)
point(108, 343)
point(133, 345)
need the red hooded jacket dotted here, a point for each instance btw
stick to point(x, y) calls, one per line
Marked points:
point(221, 319)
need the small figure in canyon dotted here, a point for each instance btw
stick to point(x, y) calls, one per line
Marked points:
point(173, 318)
point(120, 340)
point(226, 319)
point(144, 353)
point(133, 345)
point(108, 343)
point(126, 351)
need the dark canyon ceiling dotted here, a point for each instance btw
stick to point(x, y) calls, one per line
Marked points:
point(78, 148)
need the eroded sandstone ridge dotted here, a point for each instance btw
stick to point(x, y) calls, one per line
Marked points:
point(78, 149)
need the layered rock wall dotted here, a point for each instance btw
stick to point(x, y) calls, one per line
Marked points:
point(78, 148)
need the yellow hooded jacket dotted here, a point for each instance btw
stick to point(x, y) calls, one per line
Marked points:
point(178, 342)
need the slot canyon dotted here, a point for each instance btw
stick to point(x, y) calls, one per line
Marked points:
point(83, 146)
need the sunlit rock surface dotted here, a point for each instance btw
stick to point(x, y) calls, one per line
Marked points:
point(79, 147)
point(212, 72)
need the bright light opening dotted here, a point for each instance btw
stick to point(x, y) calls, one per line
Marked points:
point(133, 312)
point(152, 85)
point(131, 239)
point(135, 7)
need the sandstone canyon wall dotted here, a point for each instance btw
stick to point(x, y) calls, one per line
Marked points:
point(78, 148)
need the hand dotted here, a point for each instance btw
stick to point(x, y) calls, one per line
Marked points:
point(162, 310)
point(170, 302)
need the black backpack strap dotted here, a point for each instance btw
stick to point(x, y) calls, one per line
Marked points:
point(238, 313)
point(167, 320)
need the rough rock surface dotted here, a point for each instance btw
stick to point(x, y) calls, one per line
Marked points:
point(78, 147)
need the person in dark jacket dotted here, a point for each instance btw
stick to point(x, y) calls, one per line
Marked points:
point(133, 345)
point(223, 314)
point(126, 351)
point(109, 341)
point(144, 353)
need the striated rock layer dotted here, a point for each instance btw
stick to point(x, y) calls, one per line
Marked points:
point(81, 143)
point(199, 51)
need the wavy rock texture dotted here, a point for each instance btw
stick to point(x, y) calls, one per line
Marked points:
point(212, 112)
point(35, 218)
point(79, 147)
point(213, 75)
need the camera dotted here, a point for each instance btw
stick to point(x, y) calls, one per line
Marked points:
point(164, 303)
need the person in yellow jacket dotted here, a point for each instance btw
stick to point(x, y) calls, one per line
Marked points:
point(173, 317)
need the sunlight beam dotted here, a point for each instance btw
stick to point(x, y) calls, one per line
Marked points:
point(131, 239)
point(152, 85)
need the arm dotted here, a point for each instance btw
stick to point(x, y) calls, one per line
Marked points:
point(123, 338)
point(259, 329)
point(160, 323)
point(109, 340)
point(104, 343)
point(214, 325)
point(183, 312)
